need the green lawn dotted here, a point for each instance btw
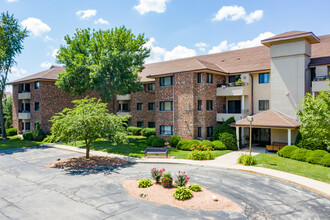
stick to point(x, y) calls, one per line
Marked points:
point(15, 142)
point(312, 171)
point(135, 148)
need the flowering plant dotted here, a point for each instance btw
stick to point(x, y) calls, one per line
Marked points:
point(166, 177)
point(199, 147)
point(157, 174)
point(181, 179)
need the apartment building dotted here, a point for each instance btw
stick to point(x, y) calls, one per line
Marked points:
point(190, 96)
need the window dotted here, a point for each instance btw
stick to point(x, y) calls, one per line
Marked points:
point(151, 87)
point(36, 85)
point(199, 132)
point(313, 74)
point(209, 78)
point(166, 106)
point(166, 81)
point(36, 106)
point(264, 78)
point(139, 124)
point(209, 105)
point(209, 131)
point(27, 126)
point(139, 106)
point(151, 106)
point(151, 124)
point(166, 130)
point(263, 105)
point(199, 105)
point(22, 125)
point(124, 107)
point(199, 77)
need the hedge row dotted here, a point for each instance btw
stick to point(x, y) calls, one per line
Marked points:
point(141, 131)
point(320, 157)
point(187, 144)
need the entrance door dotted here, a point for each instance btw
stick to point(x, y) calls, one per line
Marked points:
point(261, 136)
point(234, 106)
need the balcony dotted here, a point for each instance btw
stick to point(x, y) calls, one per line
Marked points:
point(320, 83)
point(221, 117)
point(24, 114)
point(232, 89)
point(124, 97)
point(123, 113)
point(24, 95)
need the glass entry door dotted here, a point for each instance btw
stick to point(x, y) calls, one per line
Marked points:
point(261, 136)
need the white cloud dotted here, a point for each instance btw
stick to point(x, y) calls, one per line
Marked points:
point(17, 72)
point(54, 53)
point(242, 44)
point(45, 64)
point(12, 0)
point(233, 13)
point(36, 26)
point(158, 54)
point(47, 38)
point(201, 46)
point(146, 6)
point(101, 21)
point(86, 14)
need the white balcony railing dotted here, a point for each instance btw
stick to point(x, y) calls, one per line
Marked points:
point(24, 115)
point(124, 97)
point(224, 90)
point(123, 113)
point(320, 83)
point(221, 117)
point(24, 95)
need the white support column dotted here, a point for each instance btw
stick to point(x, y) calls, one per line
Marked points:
point(242, 104)
point(289, 136)
point(237, 136)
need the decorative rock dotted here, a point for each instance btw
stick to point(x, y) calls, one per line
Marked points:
point(143, 194)
point(214, 198)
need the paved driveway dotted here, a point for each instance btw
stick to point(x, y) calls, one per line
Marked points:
point(30, 191)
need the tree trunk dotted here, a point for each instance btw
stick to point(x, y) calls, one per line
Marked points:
point(87, 151)
point(2, 121)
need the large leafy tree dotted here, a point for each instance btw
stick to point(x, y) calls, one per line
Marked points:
point(315, 121)
point(8, 111)
point(106, 61)
point(88, 121)
point(11, 45)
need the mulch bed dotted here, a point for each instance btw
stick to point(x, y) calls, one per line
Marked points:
point(93, 161)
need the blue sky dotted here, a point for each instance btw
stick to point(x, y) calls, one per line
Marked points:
point(176, 28)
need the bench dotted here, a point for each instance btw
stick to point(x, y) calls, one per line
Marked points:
point(276, 146)
point(156, 151)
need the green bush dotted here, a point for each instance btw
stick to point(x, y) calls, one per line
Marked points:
point(224, 128)
point(182, 193)
point(174, 140)
point(134, 130)
point(207, 143)
point(229, 140)
point(38, 133)
point(150, 139)
point(186, 144)
point(287, 151)
point(28, 136)
point(218, 145)
point(316, 156)
point(195, 188)
point(11, 131)
point(158, 142)
point(247, 160)
point(144, 183)
point(147, 132)
point(300, 154)
point(325, 160)
point(201, 155)
point(298, 139)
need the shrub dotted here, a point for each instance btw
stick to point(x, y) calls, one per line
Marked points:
point(147, 132)
point(208, 143)
point(181, 179)
point(287, 151)
point(150, 139)
point(158, 142)
point(195, 188)
point(134, 130)
point(182, 193)
point(28, 136)
point(174, 140)
point(157, 174)
point(229, 140)
point(298, 139)
point(38, 133)
point(201, 155)
point(316, 156)
point(247, 160)
point(224, 128)
point(144, 183)
point(186, 144)
point(218, 145)
point(300, 154)
point(166, 177)
point(11, 131)
point(325, 160)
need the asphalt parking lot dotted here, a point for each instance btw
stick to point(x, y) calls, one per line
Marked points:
point(28, 190)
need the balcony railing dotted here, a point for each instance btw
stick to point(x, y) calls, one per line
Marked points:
point(25, 95)
point(321, 78)
point(24, 115)
point(234, 84)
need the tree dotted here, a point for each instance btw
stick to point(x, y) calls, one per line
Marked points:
point(8, 111)
point(88, 121)
point(11, 45)
point(315, 121)
point(105, 61)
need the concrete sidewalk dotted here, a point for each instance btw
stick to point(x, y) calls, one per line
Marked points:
point(226, 161)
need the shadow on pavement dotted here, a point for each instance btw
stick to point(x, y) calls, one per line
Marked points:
point(106, 170)
point(20, 150)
